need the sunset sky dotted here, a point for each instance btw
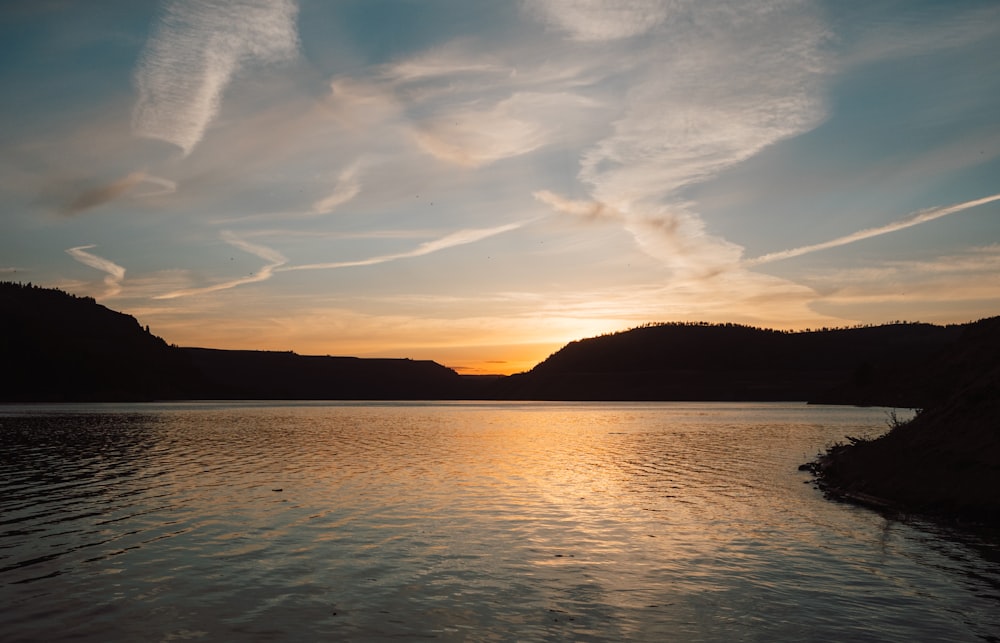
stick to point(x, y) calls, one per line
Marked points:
point(479, 183)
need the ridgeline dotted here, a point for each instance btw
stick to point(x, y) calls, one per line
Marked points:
point(59, 347)
point(56, 347)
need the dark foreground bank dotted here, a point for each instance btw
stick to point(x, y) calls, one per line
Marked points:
point(945, 462)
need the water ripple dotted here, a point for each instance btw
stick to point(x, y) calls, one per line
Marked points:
point(486, 522)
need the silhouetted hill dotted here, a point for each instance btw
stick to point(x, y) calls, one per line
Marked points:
point(881, 365)
point(58, 347)
point(946, 461)
point(279, 376)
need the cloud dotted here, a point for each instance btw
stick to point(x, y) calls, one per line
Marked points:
point(115, 273)
point(109, 192)
point(673, 236)
point(717, 84)
point(102, 194)
point(164, 186)
point(474, 135)
point(908, 221)
point(277, 262)
point(273, 258)
point(940, 28)
point(600, 20)
point(195, 50)
point(947, 288)
point(348, 186)
point(450, 60)
point(591, 210)
point(461, 237)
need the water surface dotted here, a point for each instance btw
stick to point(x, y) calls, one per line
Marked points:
point(462, 521)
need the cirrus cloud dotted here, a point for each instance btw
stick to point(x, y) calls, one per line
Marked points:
point(115, 273)
point(196, 49)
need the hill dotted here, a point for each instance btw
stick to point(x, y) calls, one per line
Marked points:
point(880, 365)
point(946, 461)
point(56, 347)
point(288, 376)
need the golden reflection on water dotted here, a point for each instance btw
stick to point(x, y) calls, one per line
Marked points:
point(459, 522)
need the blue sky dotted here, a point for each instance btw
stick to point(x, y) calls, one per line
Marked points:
point(480, 182)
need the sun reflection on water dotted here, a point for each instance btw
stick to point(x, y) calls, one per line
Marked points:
point(461, 522)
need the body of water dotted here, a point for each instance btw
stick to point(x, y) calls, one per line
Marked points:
point(462, 521)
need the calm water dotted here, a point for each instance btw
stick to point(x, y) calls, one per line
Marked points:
point(484, 522)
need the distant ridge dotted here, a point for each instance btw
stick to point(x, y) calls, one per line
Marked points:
point(280, 376)
point(873, 365)
point(58, 347)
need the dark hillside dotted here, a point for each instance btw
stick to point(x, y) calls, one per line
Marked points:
point(871, 365)
point(946, 461)
point(280, 376)
point(58, 347)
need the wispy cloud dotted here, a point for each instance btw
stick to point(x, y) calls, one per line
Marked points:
point(946, 288)
point(347, 187)
point(720, 82)
point(945, 29)
point(276, 262)
point(102, 194)
point(600, 20)
point(459, 238)
point(589, 210)
point(473, 135)
point(195, 50)
point(162, 186)
point(108, 192)
point(916, 218)
point(273, 258)
point(670, 234)
point(115, 273)
point(450, 60)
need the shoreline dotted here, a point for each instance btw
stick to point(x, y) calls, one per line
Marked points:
point(942, 465)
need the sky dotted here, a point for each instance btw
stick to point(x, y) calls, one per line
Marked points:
point(479, 183)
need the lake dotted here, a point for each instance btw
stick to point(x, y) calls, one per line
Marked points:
point(462, 522)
